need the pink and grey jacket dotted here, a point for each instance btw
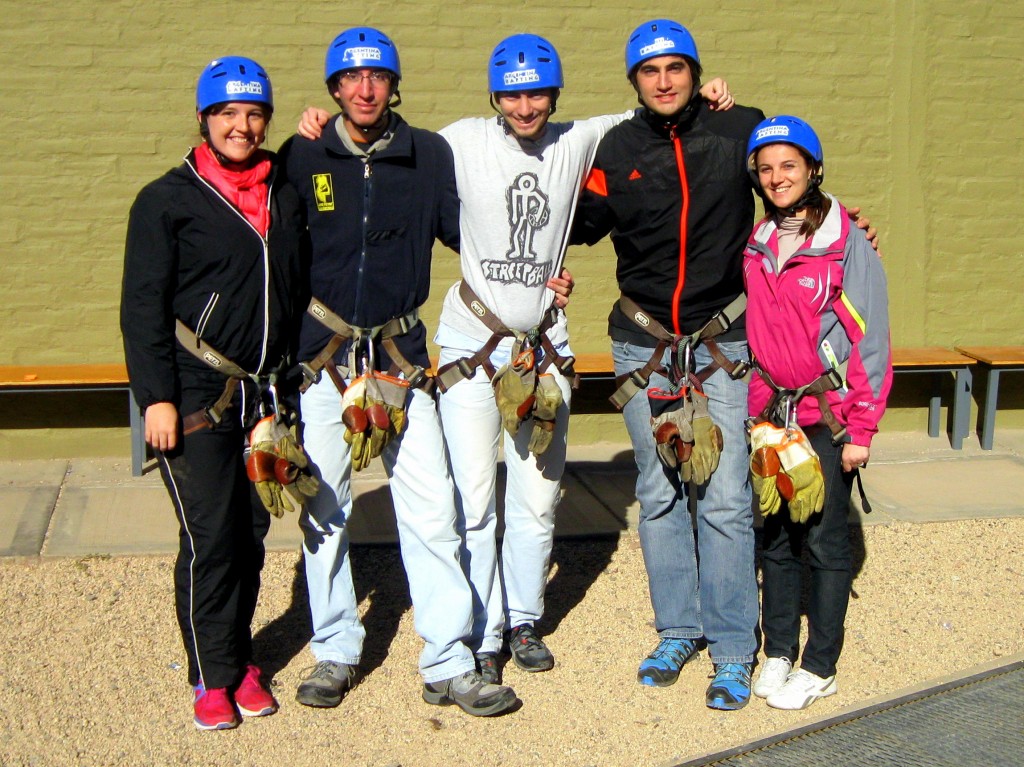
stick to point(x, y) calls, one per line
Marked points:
point(828, 305)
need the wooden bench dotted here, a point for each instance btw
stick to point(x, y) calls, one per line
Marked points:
point(82, 377)
point(932, 360)
point(994, 360)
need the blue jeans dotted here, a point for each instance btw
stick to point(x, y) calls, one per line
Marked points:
point(424, 501)
point(827, 538)
point(721, 603)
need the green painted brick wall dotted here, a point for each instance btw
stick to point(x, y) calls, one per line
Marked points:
point(918, 104)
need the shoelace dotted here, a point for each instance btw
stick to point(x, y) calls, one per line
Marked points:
point(322, 670)
point(731, 672)
point(527, 637)
point(678, 650)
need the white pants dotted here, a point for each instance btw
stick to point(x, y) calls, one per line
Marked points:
point(423, 497)
point(472, 427)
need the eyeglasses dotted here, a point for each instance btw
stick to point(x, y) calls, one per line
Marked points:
point(376, 77)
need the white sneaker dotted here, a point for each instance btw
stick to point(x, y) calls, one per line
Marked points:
point(773, 675)
point(801, 689)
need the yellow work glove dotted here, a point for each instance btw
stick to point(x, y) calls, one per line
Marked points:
point(670, 424)
point(278, 467)
point(547, 400)
point(373, 411)
point(514, 385)
point(707, 442)
point(765, 438)
point(800, 480)
point(357, 425)
point(385, 410)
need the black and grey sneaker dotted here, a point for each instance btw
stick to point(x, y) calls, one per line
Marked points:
point(470, 693)
point(487, 665)
point(528, 650)
point(326, 684)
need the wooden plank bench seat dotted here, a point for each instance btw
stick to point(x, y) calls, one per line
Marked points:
point(80, 377)
point(994, 360)
point(932, 360)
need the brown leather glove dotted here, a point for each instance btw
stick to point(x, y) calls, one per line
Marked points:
point(278, 467)
point(670, 424)
point(800, 480)
point(707, 442)
point(547, 400)
point(765, 439)
point(373, 411)
point(514, 390)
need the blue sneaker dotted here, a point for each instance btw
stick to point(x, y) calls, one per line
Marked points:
point(730, 688)
point(661, 668)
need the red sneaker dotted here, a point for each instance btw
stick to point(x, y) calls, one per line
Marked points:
point(213, 709)
point(251, 697)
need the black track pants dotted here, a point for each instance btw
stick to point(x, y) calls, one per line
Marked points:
point(220, 551)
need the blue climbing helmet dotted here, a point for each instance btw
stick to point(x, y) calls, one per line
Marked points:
point(786, 129)
point(361, 47)
point(233, 78)
point(524, 62)
point(659, 37)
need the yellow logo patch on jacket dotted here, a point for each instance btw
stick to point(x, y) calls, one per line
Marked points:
point(323, 189)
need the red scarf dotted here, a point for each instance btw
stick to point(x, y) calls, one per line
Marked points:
point(245, 189)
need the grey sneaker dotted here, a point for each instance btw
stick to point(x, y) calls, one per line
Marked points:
point(487, 665)
point(326, 684)
point(528, 650)
point(470, 693)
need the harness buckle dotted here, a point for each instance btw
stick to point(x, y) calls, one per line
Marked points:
point(417, 378)
point(211, 416)
point(313, 376)
point(464, 366)
point(834, 378)
point(740, 369)
point(637, 376)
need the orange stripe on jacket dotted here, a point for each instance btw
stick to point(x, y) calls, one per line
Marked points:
point(597, 183)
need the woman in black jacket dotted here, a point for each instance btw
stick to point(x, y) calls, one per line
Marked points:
point(209, 293)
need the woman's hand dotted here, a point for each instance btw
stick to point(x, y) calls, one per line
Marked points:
point(855, 456)
point(716, 93)
point(162, 426)
point(562, 285)
point(312, 123)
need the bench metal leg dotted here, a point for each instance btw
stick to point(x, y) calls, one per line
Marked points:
point(138, 435)
point(935, 404)
point(988, 419)
point(963, 383)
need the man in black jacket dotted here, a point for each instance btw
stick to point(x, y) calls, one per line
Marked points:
point(377, 193)
point(671, 187)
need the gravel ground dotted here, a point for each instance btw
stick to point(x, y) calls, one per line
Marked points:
point(92, 665)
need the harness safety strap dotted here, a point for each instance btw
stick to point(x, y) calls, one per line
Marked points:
point(465, 367)
point(628, 384)
point(212, 415)
point(343, 331)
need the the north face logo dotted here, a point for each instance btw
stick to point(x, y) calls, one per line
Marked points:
point(807, 282)
point(634, 175)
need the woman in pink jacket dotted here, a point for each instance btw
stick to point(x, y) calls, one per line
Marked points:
point(818, 327)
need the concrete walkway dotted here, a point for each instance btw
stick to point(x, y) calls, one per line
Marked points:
point(93, 506)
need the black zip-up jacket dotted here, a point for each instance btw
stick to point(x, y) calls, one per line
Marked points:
point(373, 222)
point(190, 254)
point(677, 199)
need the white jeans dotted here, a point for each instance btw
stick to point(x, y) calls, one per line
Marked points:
point(472, 427)
point(423, 497)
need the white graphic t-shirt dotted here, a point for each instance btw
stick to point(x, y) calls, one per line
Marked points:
point(517, 202)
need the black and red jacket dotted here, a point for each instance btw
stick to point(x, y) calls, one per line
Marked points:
point(191, 255)
point(677, 200)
